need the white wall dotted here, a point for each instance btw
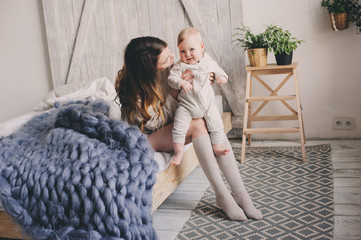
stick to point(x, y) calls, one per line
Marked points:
point(329, 62)
point(329, 70)
point(25, 72)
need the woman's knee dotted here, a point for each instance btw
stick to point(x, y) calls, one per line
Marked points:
point(198, 127)
point(161, 140)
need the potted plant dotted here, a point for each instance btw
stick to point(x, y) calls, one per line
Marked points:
point(341, 12)
point(255, 44)
point(282, 43)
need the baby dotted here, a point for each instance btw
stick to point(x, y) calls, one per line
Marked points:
point(196, 96)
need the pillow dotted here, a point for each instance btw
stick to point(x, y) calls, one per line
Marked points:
point(100, 88)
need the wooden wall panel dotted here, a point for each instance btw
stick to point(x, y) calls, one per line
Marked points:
point(85, 44)
point(61, 32)
point(238, 65)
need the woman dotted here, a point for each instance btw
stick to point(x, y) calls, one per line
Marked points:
point(140, 93)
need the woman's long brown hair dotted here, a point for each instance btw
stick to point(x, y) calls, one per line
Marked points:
point(137, 84)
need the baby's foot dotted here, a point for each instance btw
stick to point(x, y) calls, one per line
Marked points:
point(177, 158)
point(219, 151)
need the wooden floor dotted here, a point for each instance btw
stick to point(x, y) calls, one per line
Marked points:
point(346, 155)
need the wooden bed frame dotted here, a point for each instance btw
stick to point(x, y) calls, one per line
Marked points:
point(167, 182)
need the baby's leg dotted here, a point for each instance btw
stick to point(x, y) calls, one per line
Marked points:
point(182, 121)
point(178, 153)
point(219, 150)
point(216, 130)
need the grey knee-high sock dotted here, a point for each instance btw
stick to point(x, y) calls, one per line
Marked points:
point(229, 168)
point(203, 149)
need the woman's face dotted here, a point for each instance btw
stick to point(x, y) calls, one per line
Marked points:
point(165, 59)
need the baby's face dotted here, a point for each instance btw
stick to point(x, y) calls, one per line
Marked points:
point(191, 49)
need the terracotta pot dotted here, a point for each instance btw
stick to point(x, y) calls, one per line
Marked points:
point(257, 57)
point(339, 21)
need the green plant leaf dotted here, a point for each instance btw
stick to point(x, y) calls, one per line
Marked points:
point(246, 39)
point(280, 40)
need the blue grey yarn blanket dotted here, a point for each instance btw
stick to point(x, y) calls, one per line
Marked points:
point(74, 173)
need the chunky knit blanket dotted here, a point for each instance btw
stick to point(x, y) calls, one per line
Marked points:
point(73, 173)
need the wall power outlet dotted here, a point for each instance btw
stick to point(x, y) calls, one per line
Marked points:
point(343, 123)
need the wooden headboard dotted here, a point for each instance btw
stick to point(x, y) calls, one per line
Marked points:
point(86, 38)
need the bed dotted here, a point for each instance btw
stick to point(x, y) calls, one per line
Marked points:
point(168, 177)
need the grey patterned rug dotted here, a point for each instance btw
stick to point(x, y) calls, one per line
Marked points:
point(295, 198)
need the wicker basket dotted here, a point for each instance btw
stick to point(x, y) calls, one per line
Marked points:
point(257, 57)
point(339, 21)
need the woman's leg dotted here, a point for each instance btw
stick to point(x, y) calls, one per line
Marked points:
point(203, 148)
point(161, 140)
point(228, 166)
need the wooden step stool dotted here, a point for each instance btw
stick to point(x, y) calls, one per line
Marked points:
point(249, 117)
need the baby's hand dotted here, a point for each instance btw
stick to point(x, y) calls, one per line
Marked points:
point(185, 85)
point(221, 80)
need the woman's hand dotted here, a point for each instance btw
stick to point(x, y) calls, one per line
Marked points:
point(212, 76)
point(187, 75)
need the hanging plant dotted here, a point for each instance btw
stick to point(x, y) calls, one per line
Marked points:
point(342, 12)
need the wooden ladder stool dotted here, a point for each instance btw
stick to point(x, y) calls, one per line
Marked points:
point(249, 117)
